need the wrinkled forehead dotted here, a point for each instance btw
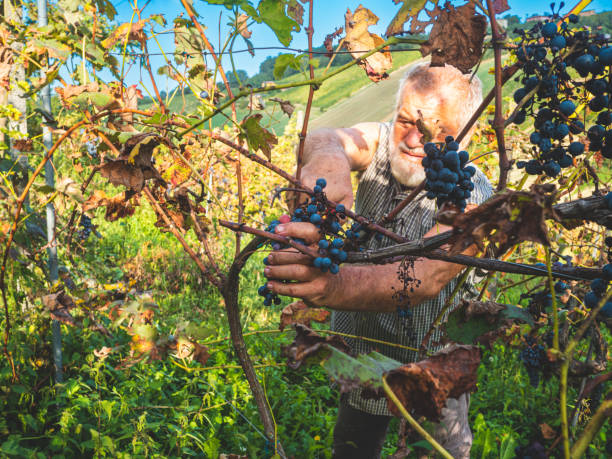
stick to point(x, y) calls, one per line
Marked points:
point(434, 99)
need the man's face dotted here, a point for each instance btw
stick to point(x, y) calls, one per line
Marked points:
point(439, 110)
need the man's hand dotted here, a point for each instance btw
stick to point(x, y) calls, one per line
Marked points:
point(311, 284)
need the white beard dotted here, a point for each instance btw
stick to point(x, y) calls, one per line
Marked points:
point(406, 169)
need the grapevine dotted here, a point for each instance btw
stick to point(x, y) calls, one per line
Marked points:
point(552, 96)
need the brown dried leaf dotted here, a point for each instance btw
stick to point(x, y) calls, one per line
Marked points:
point(295, 11)
point(6, 64)
point(504, 220)
point(456, 37)
point(308, 343)
point(132, 31)
point(499, 6)
point(359, 40)
point(329, 41)
point(241, 26)
point(489, 309)
point(69, 91)
point(104, 352)
point(23, 145)
point(548, 433)
point(117, 206)
point(121, 173)
point(298, 313)
point(286, 106)
point(191, 350)
point(133, 166)
point(59, 305)
point(424, 387)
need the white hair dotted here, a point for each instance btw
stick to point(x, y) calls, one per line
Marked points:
point(467, 86)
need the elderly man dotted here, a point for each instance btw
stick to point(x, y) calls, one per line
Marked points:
point(388, 156)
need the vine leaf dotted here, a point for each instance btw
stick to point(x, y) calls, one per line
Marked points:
point(504, 220)
point(298, 313)
point(59, 305)
point(191, 350)
point(134, 166)
point(117, 206)
point(359, 40)
point(482, 322)
point(422, 387)
point(295, 11)
point(457, 37)
point(308, 343)
point(409, 9)
point(329, 41)
point(189, 51)
point(258, 137)
point(272, 13)
point(241, 26)
point(282, 62)
point(132, 31)
point(285, 105)
point(499, 6)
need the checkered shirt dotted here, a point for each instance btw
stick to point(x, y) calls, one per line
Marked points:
point(377, 194)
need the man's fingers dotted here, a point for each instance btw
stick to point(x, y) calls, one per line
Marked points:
point(296, 290)
point(289, 257)
point(305, 231)
point(300, 273)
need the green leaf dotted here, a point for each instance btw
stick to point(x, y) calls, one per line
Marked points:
point(282, 62)
point(464, 331)
point(364, 371)
point(258, 137)
point(506, 449)
point(272, 13)
point(107, 7)
point(55, 48)
point(409, 9)
point(85, 99)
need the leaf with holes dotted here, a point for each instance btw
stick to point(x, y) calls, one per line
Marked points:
point(295, 11)
point(457, 37)
point(409, 10)
point(286, 106)
point(359, 40)
point(258, 137)
point(504, 220)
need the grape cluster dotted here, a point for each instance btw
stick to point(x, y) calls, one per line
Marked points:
point(331, 246)
point(533, 357)
point(548, 53)
point(448, 179)
point(86, 227)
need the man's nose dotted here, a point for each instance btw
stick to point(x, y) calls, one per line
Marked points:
point(412, 139)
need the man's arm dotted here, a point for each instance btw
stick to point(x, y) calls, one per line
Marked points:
point(355, 287)
point(333, 153)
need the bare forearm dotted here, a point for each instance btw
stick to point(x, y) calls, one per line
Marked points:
point(371, 287)
point(324, 156)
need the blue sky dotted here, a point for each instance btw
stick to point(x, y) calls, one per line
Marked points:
point(328, 14)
